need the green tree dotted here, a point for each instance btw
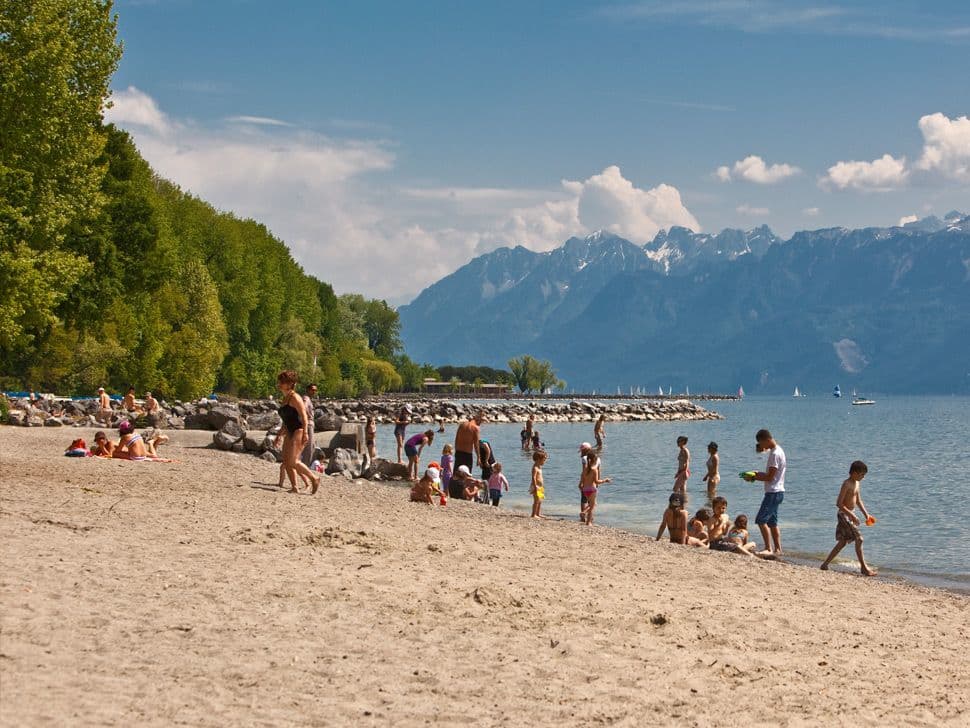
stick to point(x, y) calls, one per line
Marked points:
point(56, 61)
point(521, 368)
point(381, 376)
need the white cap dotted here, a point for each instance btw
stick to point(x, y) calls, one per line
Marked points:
point(463, 469)
point(432, 473)
point(585, 446)
point(100, 389)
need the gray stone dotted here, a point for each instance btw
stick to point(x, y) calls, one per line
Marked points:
point(351, 436)
point(254, 440)
point(347, 461)
point(270, 457)
point(382, 469)
point(233, 429)
point(53, 422)
point(17, 417)
point(263, 420)
point(238, 447)
point(224, 441)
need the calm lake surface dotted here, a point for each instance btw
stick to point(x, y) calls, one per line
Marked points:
point(917, 450)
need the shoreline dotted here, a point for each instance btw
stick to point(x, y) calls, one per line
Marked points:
point(196, 592)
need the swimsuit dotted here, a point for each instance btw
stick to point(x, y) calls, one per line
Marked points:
point(291, 418)
point(540, 492)
point(846, 530)
point(589, 490)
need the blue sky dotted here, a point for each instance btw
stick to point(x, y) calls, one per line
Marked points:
point(388, 143)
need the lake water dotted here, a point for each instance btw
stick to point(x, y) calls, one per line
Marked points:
point(917, 450)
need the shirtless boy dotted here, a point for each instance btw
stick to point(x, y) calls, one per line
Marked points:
point(847, 524)
point(675, 520)
point(104, 406)
point(719, 524)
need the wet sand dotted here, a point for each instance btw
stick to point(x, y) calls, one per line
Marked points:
point(196, 593)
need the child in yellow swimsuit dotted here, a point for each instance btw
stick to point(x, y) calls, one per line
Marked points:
point(537, 488)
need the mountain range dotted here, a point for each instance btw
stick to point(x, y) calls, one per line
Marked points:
point(876, 309)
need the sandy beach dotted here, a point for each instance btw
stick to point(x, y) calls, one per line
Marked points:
point(196, 593)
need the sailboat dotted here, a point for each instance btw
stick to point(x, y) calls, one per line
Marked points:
point(797, 394)
point(740, 392)
point(670, 391)
point(836, 392)
point(687, 390)
point(660, 390)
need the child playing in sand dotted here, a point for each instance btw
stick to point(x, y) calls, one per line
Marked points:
point(537, 488)
point(496, 482)
point(589, 483)
point(413, 447)
point(697, 528)
point(847, 524)
point(713, 477)
point(675, 520)
point(424, 490)
point(683, 466)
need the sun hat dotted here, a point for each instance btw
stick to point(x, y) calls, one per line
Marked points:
point(463, 469)
point(432, 473)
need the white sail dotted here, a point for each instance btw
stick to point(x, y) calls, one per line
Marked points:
point(797, 393)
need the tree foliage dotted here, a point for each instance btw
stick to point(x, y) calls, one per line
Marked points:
point(531, 374)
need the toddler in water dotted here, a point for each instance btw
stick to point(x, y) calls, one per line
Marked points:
point(537, 488)
point(496, 482)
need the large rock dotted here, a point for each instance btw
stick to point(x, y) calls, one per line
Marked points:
point(229, 436)
point(327, 421)
point(17, 417)
point(386, 469)
point(213, 418)
point(348, 462)
point(351, 437)
point(53, 422)
point(263, 420)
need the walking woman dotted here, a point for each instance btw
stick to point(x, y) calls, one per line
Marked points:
point(295, 431)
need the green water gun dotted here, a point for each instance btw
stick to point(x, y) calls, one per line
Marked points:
point(747, 475)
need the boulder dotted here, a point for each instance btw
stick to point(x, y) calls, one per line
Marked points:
point(17, 417)
point(213, 418)
point(348, 462)
point(271, 456)
point(263, 420)
point(254, 441)
point(326, 441)
point(327, 421)
point(351, 437)
point(53, 422)
point(233, 429)
point(238, 447)
point(381, 469)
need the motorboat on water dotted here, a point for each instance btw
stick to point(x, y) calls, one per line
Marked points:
point(862, 400)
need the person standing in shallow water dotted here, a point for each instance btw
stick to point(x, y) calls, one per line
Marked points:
point(466, 441)
point(599, 432)
point(713, 476)
point(294, 432)
point(401, 427)
point(774, 480)
point(683, 466)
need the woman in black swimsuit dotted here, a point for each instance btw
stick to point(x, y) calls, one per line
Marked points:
point(295, 432)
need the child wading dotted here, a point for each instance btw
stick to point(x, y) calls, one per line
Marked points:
point(847, 523)
point(537, 487)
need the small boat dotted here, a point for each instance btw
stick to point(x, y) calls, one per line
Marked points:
point(740, 392)
point(661, 390)
point(863, 400)
point(836, 392)
point(797, 394)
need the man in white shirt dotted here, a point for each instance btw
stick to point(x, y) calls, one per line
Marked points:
point(774, 480)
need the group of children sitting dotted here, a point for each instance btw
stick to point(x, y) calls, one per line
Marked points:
point(709, 528)
point(130, 445)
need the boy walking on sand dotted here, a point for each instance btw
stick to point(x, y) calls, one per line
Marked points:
point(774, 480)
point(847, 525)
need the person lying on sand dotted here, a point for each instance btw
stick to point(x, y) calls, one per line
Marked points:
point(131, 446)
point(103, 446)
point(675, 520)
point(424, 490)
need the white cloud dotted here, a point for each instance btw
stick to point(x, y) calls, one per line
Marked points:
point(258, 120)
point(132, 107)
point(880, 175)
point(752, 211)
point(754, 169)
point(811, 211)
point(906, 219)
point(332, 202)
point(609, 201)
point(946, 146)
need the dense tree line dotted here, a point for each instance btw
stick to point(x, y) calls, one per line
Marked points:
point(474, 374)
point(111, 275)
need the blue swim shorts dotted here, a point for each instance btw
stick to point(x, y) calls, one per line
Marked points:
point(768, 513)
